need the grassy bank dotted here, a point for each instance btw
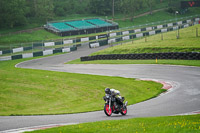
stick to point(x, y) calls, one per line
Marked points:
point(172, 124)
point(35, 36)
point(44, 35)
point(163, 62)
point(187, 42)
point(33, 92)
point(155, 17)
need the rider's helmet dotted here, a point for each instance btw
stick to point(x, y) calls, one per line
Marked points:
point(107, 90)
point(117, 92)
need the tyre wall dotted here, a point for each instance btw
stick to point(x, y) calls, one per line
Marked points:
point(175, 55)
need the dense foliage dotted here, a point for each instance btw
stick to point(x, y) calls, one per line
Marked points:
point(21, 12)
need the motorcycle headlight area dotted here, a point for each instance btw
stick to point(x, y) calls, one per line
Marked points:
point(107, 96)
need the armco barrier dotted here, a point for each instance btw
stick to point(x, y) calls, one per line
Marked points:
point(59, 43)
point(5, 58)
point(103, 42)
point(57, 51)
point(73, 48)
point(6, 51)
point(92, 38)
point(27, 48)
point(35, 54)
point(27, 55)
point(16, 57)
point(175, 55)
point(158, 29)
point(41, 53)
point(39, 44)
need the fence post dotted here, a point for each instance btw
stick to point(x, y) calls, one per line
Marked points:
point(22, 48)
point(10, 49)
point(63, 43)
point(32, 47)
point(132, 39)
point(145, 38)
point(75, 41)
point(42, 45)
point(177, 36)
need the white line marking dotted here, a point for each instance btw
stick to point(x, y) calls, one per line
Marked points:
point(174, 85)
point(28, 129)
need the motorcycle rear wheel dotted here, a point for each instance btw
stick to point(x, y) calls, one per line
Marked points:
point(106, 110)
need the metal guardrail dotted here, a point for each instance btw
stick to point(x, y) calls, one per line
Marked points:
point(158, 22)
point(55, 44)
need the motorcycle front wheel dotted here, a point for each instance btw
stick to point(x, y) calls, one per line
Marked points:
point(124, 110)
point(107, 111)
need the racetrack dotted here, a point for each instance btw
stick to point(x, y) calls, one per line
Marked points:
point(183, 98)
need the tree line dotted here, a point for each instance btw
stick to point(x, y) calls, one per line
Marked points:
point(21, 12)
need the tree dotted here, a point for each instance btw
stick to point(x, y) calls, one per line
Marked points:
point(129, 7)
point(124, 7)
point(12, 13)
point(150, 4)
point(133, 6)
point(44, 9)
point(101, 7)
point(141, 4)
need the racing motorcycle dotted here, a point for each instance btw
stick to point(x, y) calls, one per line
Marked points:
point(112, 106)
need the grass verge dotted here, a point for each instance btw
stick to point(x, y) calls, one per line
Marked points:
point(171, 124)
point(40, 35)
point(163, 62)
point(34, 92)
point(166, 42)
point(188, 42)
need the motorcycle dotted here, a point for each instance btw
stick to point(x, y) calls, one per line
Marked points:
point(112, 106)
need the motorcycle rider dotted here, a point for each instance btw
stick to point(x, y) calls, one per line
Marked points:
point(116, 94)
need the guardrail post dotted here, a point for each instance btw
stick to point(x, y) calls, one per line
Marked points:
point(10, 49)
point(178, 35)
point(132, 39)
point(145, 38)
point(42, 45)
point(32, 47)
point(22, 47)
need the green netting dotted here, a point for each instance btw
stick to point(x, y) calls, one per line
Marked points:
point(82, 24)
point(79, 24)
point(99, 22)
point(62, 26)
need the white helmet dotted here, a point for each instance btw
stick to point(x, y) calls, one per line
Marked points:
point(117, 92)
point(112, 90)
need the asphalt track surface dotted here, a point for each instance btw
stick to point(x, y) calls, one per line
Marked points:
point(183, 98)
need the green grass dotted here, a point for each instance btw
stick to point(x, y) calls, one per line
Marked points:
point(165, 62)
point(33, 92)
point(155, 18)
point(44, 35)
point(188, 42)
point(171, 124)
point(28, 37)
point(35, 36)
point(19, 28)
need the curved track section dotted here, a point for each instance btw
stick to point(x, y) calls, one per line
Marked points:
point(182, 99)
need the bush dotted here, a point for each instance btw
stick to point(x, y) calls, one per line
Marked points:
point(170, 10)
